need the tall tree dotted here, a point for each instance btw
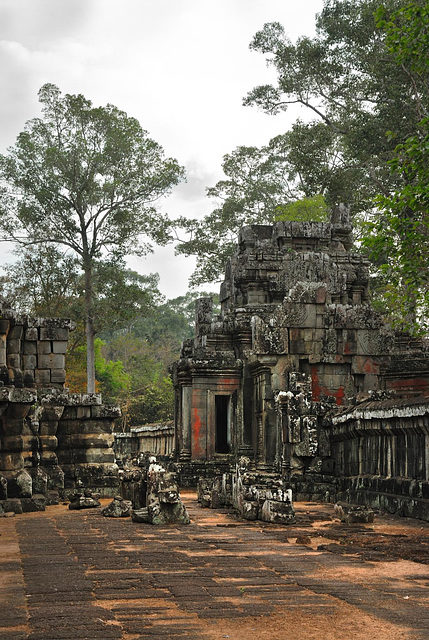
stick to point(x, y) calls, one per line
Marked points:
point(85, 179)
point(399, 237)
point(351, 92)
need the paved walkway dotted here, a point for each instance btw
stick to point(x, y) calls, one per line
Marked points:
point(75, 574)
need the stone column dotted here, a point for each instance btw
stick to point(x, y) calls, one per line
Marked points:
point(185, 424)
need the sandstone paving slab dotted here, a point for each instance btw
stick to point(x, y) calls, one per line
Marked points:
point(136, 581)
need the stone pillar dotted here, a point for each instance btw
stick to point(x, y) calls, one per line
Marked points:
point(185, 423)
point(85, 440)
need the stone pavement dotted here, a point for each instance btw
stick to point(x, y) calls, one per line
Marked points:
point(78, 575)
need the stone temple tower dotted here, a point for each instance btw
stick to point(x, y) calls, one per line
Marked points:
point(296, 336)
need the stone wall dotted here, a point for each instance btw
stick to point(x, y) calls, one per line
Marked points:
point(380, 455)
point(153, 439)
point(49, 439)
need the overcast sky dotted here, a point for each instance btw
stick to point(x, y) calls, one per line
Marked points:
point(181, 67)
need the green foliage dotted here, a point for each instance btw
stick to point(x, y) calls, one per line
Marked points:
point(114, 381)
point(146, 350)
point(154, 403)
point(399, 237)
point(43, 282)
point(305, 210)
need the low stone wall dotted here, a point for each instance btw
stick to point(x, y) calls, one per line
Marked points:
point(154, 439)
point(380, 455)
point(52, 441)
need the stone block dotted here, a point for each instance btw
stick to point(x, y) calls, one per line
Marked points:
point(51, 361)
point(3, 487)
point(105, 411)
point(351, 513)
point(36, 503)
point(90, 440)
point(59, 346)
point(52, 497)
point(58, 376)
point(48, 458)
point(12, 505)
point(14, 346)
point(249, 510)
point(55, 478)
point(83, 412)
point(29, 362)
point(54, 333)
point(40, 480)
point(48, 428)
point(32, 333)
point(21, 486)
point(29, 348)
point(42, 376)
point(28, 377)
point(16, 332)
point(365, 365)
point(277, 512)
point(12, 443)
point(14, 361)
point(44, 347)
point(11, 462)
point(48, 442)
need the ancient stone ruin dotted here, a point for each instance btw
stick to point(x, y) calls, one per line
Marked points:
point(153, 493)
point(51, 441)
point(300, 375)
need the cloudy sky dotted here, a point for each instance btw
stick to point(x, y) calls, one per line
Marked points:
point(181, 67)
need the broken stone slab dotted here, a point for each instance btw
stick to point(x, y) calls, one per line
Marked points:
point(140, 515)
point(37, 502)
point(52, 497)
point(249, 510)
point(84, 500)
point(84, 503)
point(350, 513)
point(170, 513)
point(11, 505)
point(277, 512)
point(118, 508)
point(21, 486)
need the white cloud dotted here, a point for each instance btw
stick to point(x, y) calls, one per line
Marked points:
point(181, 67)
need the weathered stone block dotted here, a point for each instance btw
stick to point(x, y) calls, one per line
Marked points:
point(32, 333)
point(58, 376)
point(54, 333)
point(12, 505)
point(16, 332)
point(44, 347)
point(29, 362)
point(51, 361)
point(59, 346)
point(42, 376)
point(14, 361)
point(21, 486)
point(249, 510)
point(28, 377)
point(36, 503)
point(30, 348)
point(40, 480)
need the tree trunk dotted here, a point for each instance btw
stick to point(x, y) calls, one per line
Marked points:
point(89, 329)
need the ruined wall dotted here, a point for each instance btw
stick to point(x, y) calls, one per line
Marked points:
point(155, 439)
point(49, 438)
point(380, 454)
